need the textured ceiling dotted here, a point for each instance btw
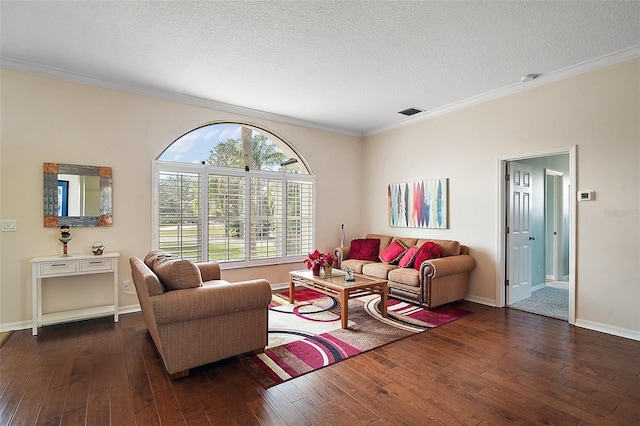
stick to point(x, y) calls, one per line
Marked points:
point(345, 65)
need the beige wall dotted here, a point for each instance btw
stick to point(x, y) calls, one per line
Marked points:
point(50, 120)
point(599, 112)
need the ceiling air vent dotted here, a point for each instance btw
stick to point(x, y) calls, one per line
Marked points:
point(410, 111)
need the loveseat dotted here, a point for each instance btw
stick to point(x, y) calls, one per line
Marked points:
point(431, 283)
point(196, 318)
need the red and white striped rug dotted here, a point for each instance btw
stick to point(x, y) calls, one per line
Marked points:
point(307, 335)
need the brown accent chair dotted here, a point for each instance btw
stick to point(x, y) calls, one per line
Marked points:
point(196, 318)
point(436, 282)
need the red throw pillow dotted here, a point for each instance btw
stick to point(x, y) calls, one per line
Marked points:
point(393, 253)
point(427, 251)
point(407, 259)
point(364, 249)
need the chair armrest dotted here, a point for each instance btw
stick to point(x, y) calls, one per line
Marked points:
point(210, 300)
point(209, 270)
point(443, 266)
point(341, 253)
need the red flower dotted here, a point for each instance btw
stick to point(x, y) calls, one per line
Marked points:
point(317, 258)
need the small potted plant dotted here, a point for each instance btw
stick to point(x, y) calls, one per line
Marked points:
point(317, 260)
point(97, 248)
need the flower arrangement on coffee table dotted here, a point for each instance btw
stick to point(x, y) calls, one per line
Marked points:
point(317, 260)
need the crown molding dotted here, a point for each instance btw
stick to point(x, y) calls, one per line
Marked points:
point(550, 77)
point(166, 95)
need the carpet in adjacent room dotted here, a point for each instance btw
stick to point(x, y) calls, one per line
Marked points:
point(551, 301)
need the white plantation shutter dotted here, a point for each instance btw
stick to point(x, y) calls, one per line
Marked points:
point(232, 216)
point(266, 218)
point(299, 218)
point(179, 202)
point(227, 218)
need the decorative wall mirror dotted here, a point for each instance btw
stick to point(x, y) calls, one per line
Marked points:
point(77, 195)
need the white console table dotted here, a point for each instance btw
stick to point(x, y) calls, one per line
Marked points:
point(65, 266)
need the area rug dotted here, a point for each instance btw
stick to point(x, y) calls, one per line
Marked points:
point(307, 335)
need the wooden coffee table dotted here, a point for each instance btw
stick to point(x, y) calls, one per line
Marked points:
point(335, 285)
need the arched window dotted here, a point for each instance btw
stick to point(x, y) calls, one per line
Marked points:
point(234, 193)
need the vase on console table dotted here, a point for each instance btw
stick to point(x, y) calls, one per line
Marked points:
point(65, 237)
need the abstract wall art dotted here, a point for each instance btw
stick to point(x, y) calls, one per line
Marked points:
point(421, 204)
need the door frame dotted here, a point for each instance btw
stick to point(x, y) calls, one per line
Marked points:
point(502, 222)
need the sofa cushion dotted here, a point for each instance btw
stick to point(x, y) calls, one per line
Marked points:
point(155, 254)
point(355, 264)
point(447, 247)
point(408, 242)
point(426, 251)
point(407, 276)
point(407, 259)
point(176, 273)
point(378, 269)
point(365, 249)
point(385, 240)
point(393, 253)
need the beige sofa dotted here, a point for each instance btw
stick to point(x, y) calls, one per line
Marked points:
point(436, 282)
point(196, 318)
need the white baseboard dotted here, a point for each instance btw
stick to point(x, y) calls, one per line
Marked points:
point(609, 329)
point(13, 326)
point(280, 286)
point(538, 287)
point(128, 309)
point(481, 300)
point(23, 325)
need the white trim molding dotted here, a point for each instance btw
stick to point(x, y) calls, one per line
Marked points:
point(152, 92)
point(609, 329)
point(550, 77)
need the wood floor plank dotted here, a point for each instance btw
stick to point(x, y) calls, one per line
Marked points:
point(99, 408)
point(494, 366)
point(15, 389)
point(52, 406)
point(284, 407)
point(168, 409)
point(326, 383)
point(265, 414)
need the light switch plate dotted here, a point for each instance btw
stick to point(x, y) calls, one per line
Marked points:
point(9, 225)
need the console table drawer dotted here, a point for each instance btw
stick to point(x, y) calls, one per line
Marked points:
point(96, 265)
point(55, 268)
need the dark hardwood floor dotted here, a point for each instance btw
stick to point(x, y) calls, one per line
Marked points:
point(496, 366)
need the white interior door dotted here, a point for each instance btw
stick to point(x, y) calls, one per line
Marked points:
point(519, 237)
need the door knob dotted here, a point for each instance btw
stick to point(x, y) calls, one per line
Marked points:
point(531, 238)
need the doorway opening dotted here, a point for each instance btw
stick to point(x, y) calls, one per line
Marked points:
point(537, 238)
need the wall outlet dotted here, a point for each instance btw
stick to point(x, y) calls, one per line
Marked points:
point(126, 285)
